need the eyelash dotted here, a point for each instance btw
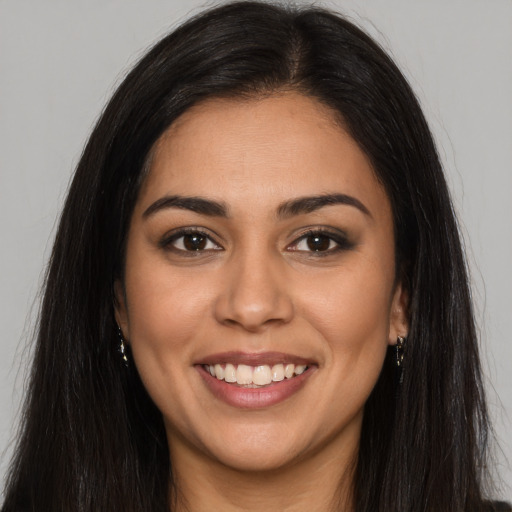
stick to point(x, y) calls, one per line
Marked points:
point(168, 241)
point(340, 239)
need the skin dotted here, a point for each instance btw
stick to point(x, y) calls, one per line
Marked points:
point(257, 286)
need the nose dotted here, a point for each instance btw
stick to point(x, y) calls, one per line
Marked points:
point(254, 294)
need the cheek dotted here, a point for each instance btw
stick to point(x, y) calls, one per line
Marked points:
point(165, 311)
point(161, 298)
point(351, 310)
point(356, 299)
point(352, 315)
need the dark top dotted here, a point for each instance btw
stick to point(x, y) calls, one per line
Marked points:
point(500, 506)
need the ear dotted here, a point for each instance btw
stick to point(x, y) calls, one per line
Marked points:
point(398, 319)
point(120, 309)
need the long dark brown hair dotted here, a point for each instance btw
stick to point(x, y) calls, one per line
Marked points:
point(91, 439)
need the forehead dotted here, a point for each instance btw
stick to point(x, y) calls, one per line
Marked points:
point(265, 149)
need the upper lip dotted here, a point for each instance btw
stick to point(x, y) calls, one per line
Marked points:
point(253, 359)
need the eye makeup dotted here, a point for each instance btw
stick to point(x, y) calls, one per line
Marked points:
point(189, 241)
point(321, 242)
point(315, 241)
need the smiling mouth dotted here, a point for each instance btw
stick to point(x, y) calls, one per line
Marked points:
point(242, 375)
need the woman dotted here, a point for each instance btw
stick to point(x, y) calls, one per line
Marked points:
point(257, 295)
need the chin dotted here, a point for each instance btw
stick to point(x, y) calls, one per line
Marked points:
point(255, 448)
point(254, 460)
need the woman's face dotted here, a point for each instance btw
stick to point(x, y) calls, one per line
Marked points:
point(261, 243)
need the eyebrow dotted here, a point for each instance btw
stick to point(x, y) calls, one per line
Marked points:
point(194, 204)
point(310, 204)
point(211, 208)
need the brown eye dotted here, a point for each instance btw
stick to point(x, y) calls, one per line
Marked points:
point(321, 243)
point(194, 242)
point(318, 243)
point(190, 242)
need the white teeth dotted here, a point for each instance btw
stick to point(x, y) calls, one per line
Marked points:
point(254, 376)
point(298, 369)
point(289, 370)
point(219, 371)
point(262, 375)
point(244, 374)
point(230, 373)
point(277, 372)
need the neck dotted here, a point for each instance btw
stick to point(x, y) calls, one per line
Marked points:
point(322, 481)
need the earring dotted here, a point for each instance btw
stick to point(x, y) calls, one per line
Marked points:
point(399, 358)
point(399, 351)
point(122, 347)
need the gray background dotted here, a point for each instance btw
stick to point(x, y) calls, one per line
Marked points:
point(59, 63)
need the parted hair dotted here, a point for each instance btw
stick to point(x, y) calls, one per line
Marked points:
point(90, 437)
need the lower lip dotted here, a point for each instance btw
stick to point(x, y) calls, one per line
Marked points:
point(254, 398)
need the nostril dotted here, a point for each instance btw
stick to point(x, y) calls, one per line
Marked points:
point(254, 295)
point(254, 318)
point(252, 325)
